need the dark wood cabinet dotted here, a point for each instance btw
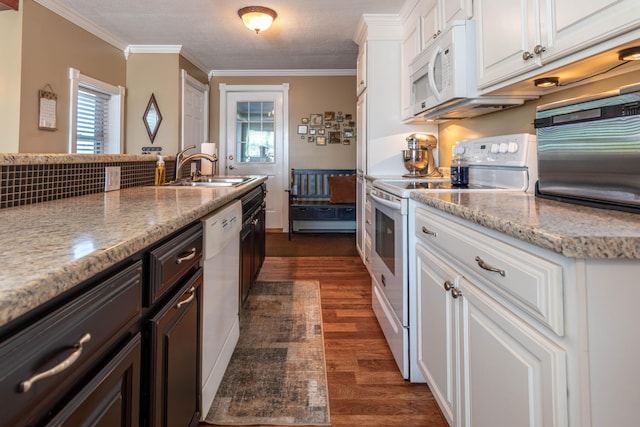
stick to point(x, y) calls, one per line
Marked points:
point(175, 351)
point(112, 397)
point(252, 239)
point(43, 364)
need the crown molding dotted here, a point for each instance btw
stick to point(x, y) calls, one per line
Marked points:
point(152, 48)
point(83, 23)
point(263, 73)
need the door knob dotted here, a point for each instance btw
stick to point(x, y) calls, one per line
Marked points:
point(231, 167)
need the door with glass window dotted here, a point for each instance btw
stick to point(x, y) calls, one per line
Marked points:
point(255, 144)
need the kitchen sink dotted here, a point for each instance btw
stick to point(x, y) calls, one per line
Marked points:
point(212, 181)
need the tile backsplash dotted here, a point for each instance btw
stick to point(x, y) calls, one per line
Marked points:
point(26, 179)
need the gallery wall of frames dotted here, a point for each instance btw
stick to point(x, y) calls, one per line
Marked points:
point(327, 128)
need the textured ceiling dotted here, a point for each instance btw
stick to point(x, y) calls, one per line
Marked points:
point(305, 35)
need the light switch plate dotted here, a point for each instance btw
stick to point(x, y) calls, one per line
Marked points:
point(111, 178)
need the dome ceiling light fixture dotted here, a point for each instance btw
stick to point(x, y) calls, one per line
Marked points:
point(257, 18)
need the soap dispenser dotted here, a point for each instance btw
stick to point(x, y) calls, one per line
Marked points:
point(160, 171)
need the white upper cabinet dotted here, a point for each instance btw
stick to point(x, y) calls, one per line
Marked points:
point(437, 15)
point(515, 37)
point(361, 66)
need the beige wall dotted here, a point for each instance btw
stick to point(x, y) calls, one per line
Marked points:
point(50, 46)
point(10, 79)
point(307, 95)
point(159, 74)
point(520, 119)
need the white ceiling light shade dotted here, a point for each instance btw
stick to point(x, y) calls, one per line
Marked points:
point(257, 18)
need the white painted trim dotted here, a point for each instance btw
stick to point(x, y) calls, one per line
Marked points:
point(289, 73)
point(152, 48)
point(186, 54)
point(83, 23)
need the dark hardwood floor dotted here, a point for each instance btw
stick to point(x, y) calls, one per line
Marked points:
point(365, 386)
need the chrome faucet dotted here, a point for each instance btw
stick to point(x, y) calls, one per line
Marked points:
point(181, 160)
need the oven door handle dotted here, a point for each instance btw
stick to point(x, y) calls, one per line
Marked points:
point(385, 202)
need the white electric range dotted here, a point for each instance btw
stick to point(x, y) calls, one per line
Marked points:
point(503, 163)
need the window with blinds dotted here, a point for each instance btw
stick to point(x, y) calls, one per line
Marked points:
point(96, 115)
point(92, 123)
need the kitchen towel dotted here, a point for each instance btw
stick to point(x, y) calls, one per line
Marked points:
point(206, 167)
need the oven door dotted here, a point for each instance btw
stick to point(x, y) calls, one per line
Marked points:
point(389, 274)
point(389, 250)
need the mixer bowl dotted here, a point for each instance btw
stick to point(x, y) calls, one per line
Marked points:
point(415, 161)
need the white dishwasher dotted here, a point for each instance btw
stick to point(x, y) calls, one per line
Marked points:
point(221, 296)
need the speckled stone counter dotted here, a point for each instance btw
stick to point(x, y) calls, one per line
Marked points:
point(571, 230)
point(48, 248)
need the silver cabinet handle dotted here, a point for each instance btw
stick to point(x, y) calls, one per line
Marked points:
point(425, 230)
point(25, 386)
point(448, 285)
point(527, 55)
point(192, 295)
point(538, 49)
point(455, 292)
point(190, 255)
point(487, 267)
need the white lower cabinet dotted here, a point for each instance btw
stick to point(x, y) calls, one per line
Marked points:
point(484, 366)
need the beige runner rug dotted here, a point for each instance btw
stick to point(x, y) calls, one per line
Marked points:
point(277, 374)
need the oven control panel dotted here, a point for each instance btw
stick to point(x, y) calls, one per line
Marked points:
point(517, 150)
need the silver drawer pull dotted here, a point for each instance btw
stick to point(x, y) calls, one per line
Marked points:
point(487, 267)
point(191, 255)
point(192, 295)
point(448, 285)
point(25, 386)
point(456, 293)
point(425, 230)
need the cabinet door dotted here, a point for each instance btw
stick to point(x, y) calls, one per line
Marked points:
point(174, 395)
point(361, 69)
point(582, 23)
point(430, 23)
point(436, 338)
point(246, 252)
point(505, 31)
point(112, 397)
point(411, 46)
point(511, 375)
point(258, 243)
point(453, 10)
point(361, 134)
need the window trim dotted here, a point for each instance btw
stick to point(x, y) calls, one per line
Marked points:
point(116, 106)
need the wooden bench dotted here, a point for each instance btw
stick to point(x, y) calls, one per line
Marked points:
point(311, 208)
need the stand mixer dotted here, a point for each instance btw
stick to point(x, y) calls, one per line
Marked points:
point(418, 157)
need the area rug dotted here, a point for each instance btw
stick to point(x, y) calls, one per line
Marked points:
point(277, 373)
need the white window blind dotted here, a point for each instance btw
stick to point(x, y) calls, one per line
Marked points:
point(92, 125)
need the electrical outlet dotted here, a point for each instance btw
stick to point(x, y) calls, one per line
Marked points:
point(111, 178)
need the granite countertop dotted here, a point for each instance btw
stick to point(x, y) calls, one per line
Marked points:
point(48, 248)
point(568, 229)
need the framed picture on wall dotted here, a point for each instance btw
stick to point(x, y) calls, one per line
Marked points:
point(305, 120)
point(312, 131)
point(316, 120)
point(302, 129)
point(321, 140)
point(311, 138)
point(348, 133)
point(334, 138)
point(329, 115)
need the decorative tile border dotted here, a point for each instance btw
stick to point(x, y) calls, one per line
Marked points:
point(36, 178)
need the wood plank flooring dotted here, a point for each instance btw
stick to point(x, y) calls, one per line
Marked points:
point(365, 386)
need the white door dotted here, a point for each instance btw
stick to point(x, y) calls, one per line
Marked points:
point(195, 123)
point(253, 141)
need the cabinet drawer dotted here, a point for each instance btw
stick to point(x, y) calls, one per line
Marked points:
point(324, 212)
point(103, 316)
point(299, 212)
point(172, 260)
point(343, 212)
point(532, 283)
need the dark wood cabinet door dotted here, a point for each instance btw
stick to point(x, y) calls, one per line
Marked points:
point(112, 397)
point(259, 230)
point(246, 255)
point(174, 395)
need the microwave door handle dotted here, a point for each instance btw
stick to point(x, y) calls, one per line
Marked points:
point(385, 202)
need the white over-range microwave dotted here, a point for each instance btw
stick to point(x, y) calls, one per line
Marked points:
point(440, 72)
point(443, 78)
